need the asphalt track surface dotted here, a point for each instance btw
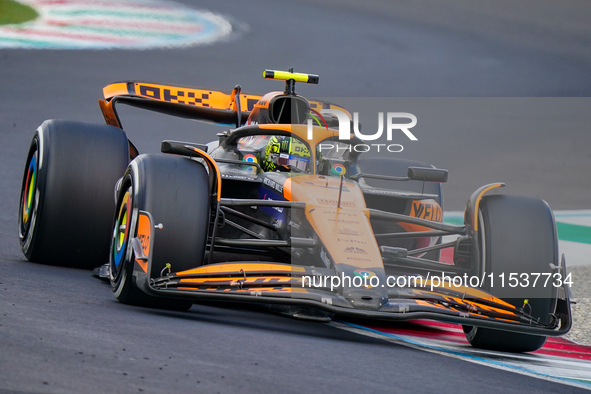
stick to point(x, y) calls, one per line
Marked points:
point(61, 330)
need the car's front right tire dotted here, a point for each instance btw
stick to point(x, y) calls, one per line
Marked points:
point(518, 239)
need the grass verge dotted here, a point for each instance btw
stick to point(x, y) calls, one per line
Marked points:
point(14, 12)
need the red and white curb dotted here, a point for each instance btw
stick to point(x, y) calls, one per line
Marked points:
point(109, 24)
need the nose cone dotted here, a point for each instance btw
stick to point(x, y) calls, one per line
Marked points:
point(364, 288)
point(368, 299)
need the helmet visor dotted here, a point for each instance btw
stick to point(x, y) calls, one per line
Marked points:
point(294, 162)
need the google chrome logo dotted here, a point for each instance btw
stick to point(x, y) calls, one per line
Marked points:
point(250, 158)
point(338, 169)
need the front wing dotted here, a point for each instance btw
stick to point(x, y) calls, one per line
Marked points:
point(285, 284)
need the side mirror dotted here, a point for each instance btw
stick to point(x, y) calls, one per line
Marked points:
point(427, 174)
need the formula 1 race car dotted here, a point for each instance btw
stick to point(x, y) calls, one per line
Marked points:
point(284, 211)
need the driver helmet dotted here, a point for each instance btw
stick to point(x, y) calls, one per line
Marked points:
point(286, 154)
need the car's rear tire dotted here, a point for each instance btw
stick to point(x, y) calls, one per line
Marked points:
point(66, 202)
point(517, 236)
point(175, 191)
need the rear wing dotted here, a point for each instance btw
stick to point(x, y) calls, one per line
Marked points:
point(186, 102)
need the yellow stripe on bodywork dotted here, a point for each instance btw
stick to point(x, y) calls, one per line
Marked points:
point(246, 267)
point(465, 290)
point(220, 281)
point(254, 289)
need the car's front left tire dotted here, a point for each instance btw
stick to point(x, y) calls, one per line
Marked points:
point(174, 190)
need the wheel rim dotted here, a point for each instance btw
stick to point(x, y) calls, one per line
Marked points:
point(121, 232)
point(28, 201)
